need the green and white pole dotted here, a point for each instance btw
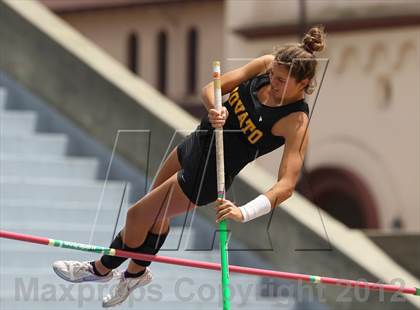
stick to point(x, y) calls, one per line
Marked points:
point(223, 232)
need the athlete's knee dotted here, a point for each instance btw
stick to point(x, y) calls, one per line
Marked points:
point(133, 212)
point(137, 212)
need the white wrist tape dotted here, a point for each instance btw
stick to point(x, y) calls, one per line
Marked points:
point(255, 208)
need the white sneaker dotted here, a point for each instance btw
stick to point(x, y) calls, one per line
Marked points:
point(125, 287)
point(74, 271)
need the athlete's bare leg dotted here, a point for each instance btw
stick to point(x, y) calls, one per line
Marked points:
point(153, 212)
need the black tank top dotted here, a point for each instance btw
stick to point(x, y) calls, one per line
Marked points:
point(247, 131)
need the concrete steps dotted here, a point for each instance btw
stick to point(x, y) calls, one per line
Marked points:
point(3, 98)
point(18, 122)
point(48, 167)
point(15, 211)
point(60, 189)
point(45, 144)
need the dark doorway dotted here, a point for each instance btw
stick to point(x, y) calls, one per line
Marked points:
point(342, 194)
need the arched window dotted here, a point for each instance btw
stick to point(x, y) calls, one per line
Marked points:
point(133, 52)
point(192, 47)
point(162, 47)
point(343, 194)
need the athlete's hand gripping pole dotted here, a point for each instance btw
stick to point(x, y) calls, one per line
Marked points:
point(223, 232)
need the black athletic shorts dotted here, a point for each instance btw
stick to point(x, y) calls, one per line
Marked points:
point(198, 177)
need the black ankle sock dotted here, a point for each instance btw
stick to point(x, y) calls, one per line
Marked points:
point(95, 271)
point(133, 275)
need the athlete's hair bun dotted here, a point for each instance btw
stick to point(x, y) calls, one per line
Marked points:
point(314, 39)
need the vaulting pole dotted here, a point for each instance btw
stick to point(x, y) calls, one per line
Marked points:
point(223, 229)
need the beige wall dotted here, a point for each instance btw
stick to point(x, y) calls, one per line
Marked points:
point(110, 29)
point(263, 12)
point(259, 12)
point(351, 127)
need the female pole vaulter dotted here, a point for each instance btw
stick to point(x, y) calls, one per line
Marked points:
point(267, 108)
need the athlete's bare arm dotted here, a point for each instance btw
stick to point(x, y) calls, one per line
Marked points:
point(233, 78)
point(296, 142)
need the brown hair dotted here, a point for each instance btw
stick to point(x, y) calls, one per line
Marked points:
point(301, 68)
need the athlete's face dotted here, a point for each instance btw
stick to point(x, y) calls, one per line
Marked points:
point(283, 85)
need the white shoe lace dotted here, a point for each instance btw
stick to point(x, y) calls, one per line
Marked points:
point(78, 266)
